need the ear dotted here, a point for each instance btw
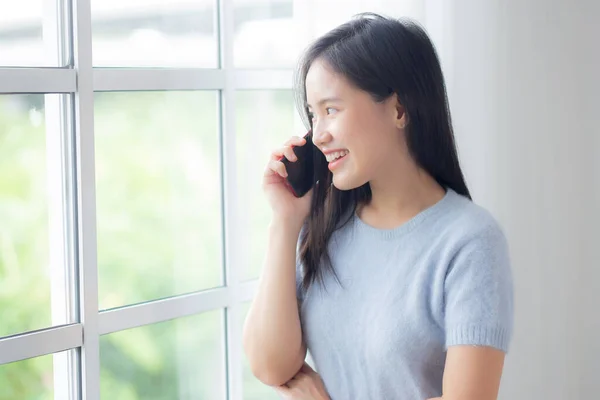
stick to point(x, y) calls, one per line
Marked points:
point(401, 115)
point(397, 111)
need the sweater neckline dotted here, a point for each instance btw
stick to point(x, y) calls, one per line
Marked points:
point(409, 225)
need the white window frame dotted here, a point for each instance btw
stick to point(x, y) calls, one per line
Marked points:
point(71, 167)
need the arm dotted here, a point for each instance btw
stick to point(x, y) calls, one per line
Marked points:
point(272, 333)
point(478, 313)
point(472, 373)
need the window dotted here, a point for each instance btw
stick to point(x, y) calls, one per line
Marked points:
point(133, 137)
point(264, 120)
point(32, 378)
point(120, 181)
point(154, 33)
point(255, 44)
point(31, 234)
point(31, 34)
point(157, 194)
point(179, 359)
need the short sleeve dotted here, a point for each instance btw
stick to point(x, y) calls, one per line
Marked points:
point(478, 292)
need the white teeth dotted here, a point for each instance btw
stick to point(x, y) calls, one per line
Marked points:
point(334, 156)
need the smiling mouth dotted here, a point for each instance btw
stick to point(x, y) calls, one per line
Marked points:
point(337, 160)
point(331, 157)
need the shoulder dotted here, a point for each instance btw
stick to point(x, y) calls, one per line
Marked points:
point(466, 234)
point(475, 251)
point(466, 225)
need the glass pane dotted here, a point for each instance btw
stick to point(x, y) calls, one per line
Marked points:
point(31, 379)
point(253, 388)
point(25, 299)
point(158, 195)
point(180, 359)
point(24, 41)
point(265, 34)
point(154, 33)
point(265, 120)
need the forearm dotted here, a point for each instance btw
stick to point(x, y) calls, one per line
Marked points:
point(272, 332)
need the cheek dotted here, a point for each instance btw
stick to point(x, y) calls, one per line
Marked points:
point(370, 144)
point(373, 156)
point(368, 138)
point(352, 132)
point(369, 157)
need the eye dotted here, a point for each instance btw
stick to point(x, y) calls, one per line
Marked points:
point(330, 110)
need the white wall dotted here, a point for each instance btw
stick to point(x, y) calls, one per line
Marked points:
point(524, 84)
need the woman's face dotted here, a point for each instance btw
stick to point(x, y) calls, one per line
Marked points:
point(360, 137)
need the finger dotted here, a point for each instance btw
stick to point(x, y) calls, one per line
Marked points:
point(278, 167)
point(286, 151)
point(289, 154)
point(295, 141)
point(277, 153)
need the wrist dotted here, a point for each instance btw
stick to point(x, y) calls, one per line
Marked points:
point(287, 225)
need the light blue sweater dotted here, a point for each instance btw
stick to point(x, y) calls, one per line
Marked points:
point(441, 279)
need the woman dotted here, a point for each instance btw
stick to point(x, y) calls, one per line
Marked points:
point(401, 286)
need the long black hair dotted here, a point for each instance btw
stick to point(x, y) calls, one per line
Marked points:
point(384, 57)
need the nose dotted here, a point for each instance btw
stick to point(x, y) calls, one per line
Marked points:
point(320, 136)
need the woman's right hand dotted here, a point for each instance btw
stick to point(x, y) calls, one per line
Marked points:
point(284, 205)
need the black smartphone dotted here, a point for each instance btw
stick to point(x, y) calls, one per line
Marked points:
point(301, 172)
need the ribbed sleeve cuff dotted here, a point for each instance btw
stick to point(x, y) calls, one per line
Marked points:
point(477, 335)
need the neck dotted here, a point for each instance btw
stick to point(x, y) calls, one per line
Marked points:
point(402, 193)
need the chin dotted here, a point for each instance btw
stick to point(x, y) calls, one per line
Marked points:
point(342, 182)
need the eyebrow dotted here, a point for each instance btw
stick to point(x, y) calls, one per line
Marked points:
point(324, 100)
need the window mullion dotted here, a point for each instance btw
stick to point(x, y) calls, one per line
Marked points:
point(229, 208)
point(57, 160)
point(86, 199)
